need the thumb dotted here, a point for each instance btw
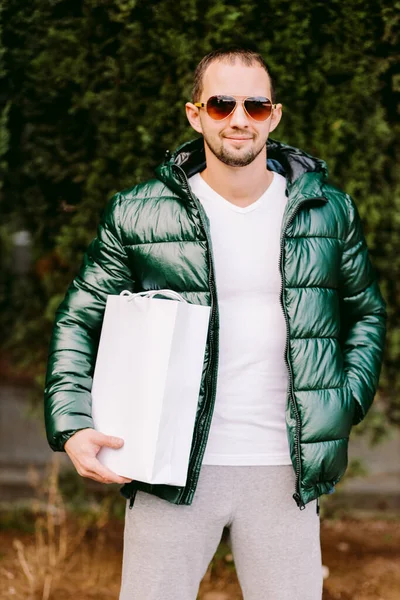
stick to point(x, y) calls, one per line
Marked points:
point(109, 440)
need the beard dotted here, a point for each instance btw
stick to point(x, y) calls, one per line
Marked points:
point(232, 158)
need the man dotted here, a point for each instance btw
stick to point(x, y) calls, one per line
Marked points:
point(295, 343)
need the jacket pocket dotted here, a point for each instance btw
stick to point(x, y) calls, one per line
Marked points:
point(358, 414)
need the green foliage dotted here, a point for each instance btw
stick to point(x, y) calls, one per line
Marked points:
point(95, 95)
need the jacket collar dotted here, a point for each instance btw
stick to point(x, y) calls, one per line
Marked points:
point(305, 175)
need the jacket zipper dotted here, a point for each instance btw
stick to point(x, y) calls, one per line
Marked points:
point(297, 495)
point(187, 493)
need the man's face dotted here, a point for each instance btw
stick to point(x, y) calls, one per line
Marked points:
point(237, 140)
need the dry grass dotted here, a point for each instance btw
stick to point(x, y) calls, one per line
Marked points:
point(60, 549)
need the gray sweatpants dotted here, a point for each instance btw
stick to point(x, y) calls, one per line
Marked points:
point(275, 546)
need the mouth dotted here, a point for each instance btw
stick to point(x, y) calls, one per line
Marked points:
point(237, 138)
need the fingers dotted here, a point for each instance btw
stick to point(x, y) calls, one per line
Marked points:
point(82, 449)
point(106, 440)
point(95, 470)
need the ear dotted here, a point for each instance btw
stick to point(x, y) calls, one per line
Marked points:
point(193, 116)
point(276, 117)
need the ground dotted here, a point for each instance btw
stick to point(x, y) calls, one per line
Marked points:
point(360, 557)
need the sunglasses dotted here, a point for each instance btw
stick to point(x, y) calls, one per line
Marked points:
point(258, 108)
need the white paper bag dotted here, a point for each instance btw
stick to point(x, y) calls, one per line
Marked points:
point(146, 383)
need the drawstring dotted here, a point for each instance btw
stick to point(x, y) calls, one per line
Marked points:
point(132, 499)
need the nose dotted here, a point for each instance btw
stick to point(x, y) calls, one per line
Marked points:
point(239, 117)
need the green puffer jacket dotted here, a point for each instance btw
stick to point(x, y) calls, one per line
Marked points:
point(156, 235)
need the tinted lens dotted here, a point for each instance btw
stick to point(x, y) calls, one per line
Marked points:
point(220, 107)
point(258, 108)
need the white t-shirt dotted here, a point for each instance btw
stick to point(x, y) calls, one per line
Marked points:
point(248, 425)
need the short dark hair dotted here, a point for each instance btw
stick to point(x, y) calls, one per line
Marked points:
point(245, 56)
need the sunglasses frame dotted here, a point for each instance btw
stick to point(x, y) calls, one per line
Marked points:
point(242, 99)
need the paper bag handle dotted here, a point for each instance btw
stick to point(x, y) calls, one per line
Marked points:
point(152, 293)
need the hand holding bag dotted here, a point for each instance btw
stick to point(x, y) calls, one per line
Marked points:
point(146, 383)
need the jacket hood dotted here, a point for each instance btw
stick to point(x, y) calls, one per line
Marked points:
point(299, 168)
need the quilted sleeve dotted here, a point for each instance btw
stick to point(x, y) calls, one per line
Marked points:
point(76, 331)
point(363, 316)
